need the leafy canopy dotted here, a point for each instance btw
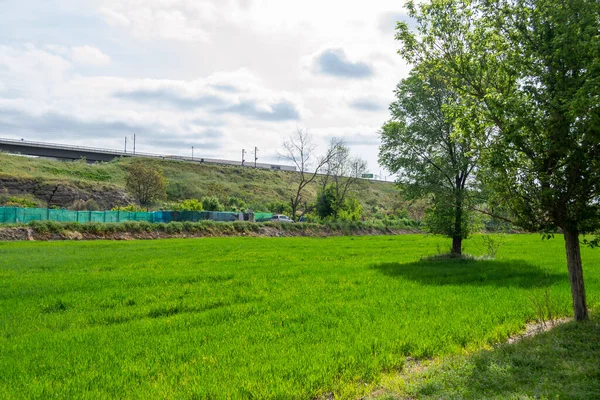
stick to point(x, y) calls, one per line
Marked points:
point(423, 146)
point(145, 182)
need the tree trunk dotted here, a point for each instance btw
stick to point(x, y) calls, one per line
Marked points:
point(294, 205)
point(457, 245)
point(457, 235)
point(576, 274)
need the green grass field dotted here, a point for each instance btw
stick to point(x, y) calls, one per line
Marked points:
point(258, 317)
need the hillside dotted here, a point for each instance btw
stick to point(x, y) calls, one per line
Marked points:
point(60, 183)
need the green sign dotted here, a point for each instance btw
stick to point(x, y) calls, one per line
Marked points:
point(367, 176)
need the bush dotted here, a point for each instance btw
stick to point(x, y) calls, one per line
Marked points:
point(174, 227)
point(131, 226)
point(239, 226)
point(19, 201)
point(39, 226)
point(213, 227)
point(211, 203)
point(236, 204)
point(53, 226)
point(279, 207)
point(351, 210)
point(188, 205)
point(85, 205)
point(130, 208)
point(92, 227)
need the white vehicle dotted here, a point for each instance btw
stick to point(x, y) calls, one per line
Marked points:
point(281, 218)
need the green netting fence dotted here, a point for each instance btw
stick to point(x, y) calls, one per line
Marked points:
point(262, 217)
point(13, 215)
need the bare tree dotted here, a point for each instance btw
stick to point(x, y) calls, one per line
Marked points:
point(300, 150)
point(343, 172)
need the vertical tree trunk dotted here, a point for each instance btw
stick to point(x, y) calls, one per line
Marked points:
point(457, 245)
point(457, 235)
point(294, 204)
point(576, 274)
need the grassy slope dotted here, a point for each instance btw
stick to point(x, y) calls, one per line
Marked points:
point(252, 317)
point(189, 180)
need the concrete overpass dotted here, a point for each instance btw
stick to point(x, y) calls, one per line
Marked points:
point(59, 151)
point(93, 154)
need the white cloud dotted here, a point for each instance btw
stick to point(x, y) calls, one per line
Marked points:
point(170, 69)
point(81, 55)
point(88, 55)
point(166, 114)
point(180, 20)
point(114, 18)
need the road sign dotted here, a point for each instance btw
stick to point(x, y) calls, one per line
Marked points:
point(367, 176)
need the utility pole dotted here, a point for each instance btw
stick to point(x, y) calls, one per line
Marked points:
point(134, 143)
point(125, 144)
point(255, 156)
point(192, 153)
point(243, 156)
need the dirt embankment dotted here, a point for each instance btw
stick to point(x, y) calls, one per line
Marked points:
point(27, 233)
point(63, 194)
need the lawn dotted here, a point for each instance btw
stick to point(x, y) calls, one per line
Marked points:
point(258, 317)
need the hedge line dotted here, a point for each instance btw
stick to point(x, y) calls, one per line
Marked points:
point(212, 227)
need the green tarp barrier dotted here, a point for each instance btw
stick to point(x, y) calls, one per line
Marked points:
point(11, 215)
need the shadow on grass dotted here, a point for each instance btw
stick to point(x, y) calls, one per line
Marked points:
point(472, 272)
point(561, 363)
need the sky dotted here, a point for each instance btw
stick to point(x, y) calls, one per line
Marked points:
point(218, 75)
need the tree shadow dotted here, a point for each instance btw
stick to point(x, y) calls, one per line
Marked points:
point(560, 363)
point(514, 273)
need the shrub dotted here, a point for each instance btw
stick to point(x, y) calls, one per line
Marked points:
point(279, 207)
point(174, 227)
point(111, 227)
point(129, 207)
point(39, 226)
point(92, 227)
point(188, 205)
point(19, 201)
point(131, 226)
point(53, 226)
point(85, 205)
point(145, 226)
point(211, 203)
point(236, 204)
point(351, 210)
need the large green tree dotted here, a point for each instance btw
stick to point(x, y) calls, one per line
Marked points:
point(532, 67)
point(421, 145)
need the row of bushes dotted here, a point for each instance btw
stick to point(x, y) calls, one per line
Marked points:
point(209, 227)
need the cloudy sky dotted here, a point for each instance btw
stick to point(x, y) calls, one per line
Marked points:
point(219, 75)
